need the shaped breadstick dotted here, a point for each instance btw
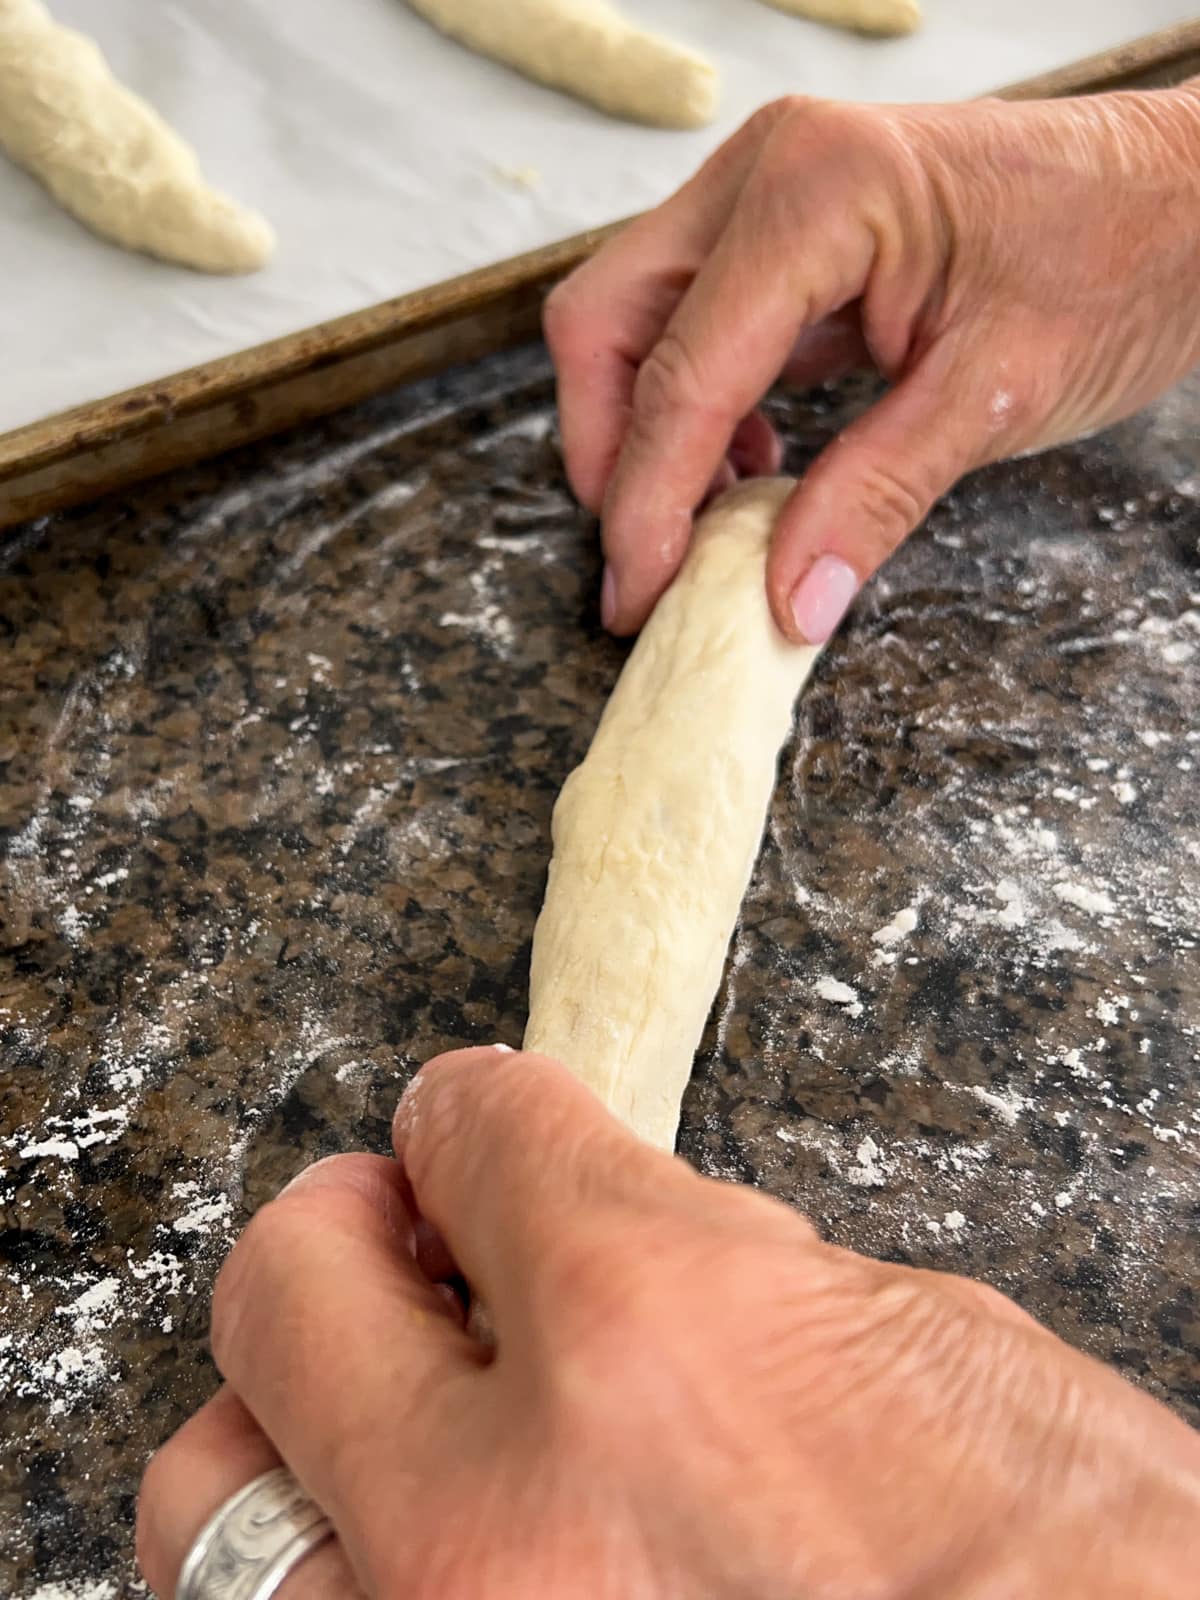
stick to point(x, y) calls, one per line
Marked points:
point(106, 156)
point(656, 834)
point(864, 16)
point(589, 49)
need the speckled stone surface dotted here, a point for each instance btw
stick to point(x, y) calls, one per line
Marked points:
point(279, 739)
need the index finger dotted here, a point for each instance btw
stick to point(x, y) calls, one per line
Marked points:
point(516, 1162)
point(602, 321)
point(785, 262)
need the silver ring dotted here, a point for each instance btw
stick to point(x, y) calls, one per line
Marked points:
point(251, 1543)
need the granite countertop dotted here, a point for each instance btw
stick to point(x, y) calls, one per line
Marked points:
point(279, 739)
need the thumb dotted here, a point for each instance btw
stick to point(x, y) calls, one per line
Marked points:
point(867, 491)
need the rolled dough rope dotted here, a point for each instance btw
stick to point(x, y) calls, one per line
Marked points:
point(108, 157)
point(589, 49)
point(864, 16)
point(656, 834)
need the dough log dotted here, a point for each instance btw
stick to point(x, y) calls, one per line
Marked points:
point(108, 157)
point(589, 49)
point(656, 834)
point(864, 16)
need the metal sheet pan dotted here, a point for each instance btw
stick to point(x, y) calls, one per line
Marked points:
point(238, 396)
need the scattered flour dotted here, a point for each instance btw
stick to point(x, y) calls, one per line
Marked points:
point(88, 1589)
point(1108, 1009)
point(894, 933)
point(487, 620)
point(96, 1308)
point(1013, 913)
point(1094, 901)
point(204, 1212)
point(901, 925)
point(840, 994)
point(1007, 1107)
point(871, 1170)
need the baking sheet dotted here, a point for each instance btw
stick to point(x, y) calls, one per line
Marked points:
point(378, 149)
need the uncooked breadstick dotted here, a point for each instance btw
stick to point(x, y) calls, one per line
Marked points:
point(589, 49)
point(656, 834)
point(864, 16)
point(108, 157)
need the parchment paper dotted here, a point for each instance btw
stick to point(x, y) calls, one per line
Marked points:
point(376, 147)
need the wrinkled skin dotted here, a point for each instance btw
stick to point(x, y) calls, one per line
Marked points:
point(691, 1394)
point(1021, 273)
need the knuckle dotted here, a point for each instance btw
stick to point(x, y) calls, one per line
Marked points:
point(668, 380)
point(981, 1300)
point(243, 1267)
point(768, 117)
point(813, 126)
point(160, 1484)
point(745, 1213)
point(575, 317)
point(437, 1114)
point(1010, 412)
point(266, 1261)
point(446, 1102)
point(560, 314)
point(814, 152)
point(893, 502)
point(762, 123)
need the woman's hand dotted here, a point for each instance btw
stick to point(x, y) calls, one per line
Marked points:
point(691, 1395)
point(1020, 274)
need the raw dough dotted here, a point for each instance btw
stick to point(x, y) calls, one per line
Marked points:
point(107, 156)
point(589, 49)
point(656, 834)
point(864, 16)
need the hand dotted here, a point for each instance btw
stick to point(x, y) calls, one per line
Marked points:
point(691, 1395)
point(1020, 274)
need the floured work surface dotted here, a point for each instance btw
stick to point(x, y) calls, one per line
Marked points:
point(279, 740)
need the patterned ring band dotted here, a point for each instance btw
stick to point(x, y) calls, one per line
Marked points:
point(251, 1543)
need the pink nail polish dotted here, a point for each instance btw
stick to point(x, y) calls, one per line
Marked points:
point(822, 597)
point(608, 598)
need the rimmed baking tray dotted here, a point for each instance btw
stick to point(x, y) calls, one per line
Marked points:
point(102, 445)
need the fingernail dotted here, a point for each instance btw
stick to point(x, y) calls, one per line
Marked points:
point(608, 598)
point(822, 597)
